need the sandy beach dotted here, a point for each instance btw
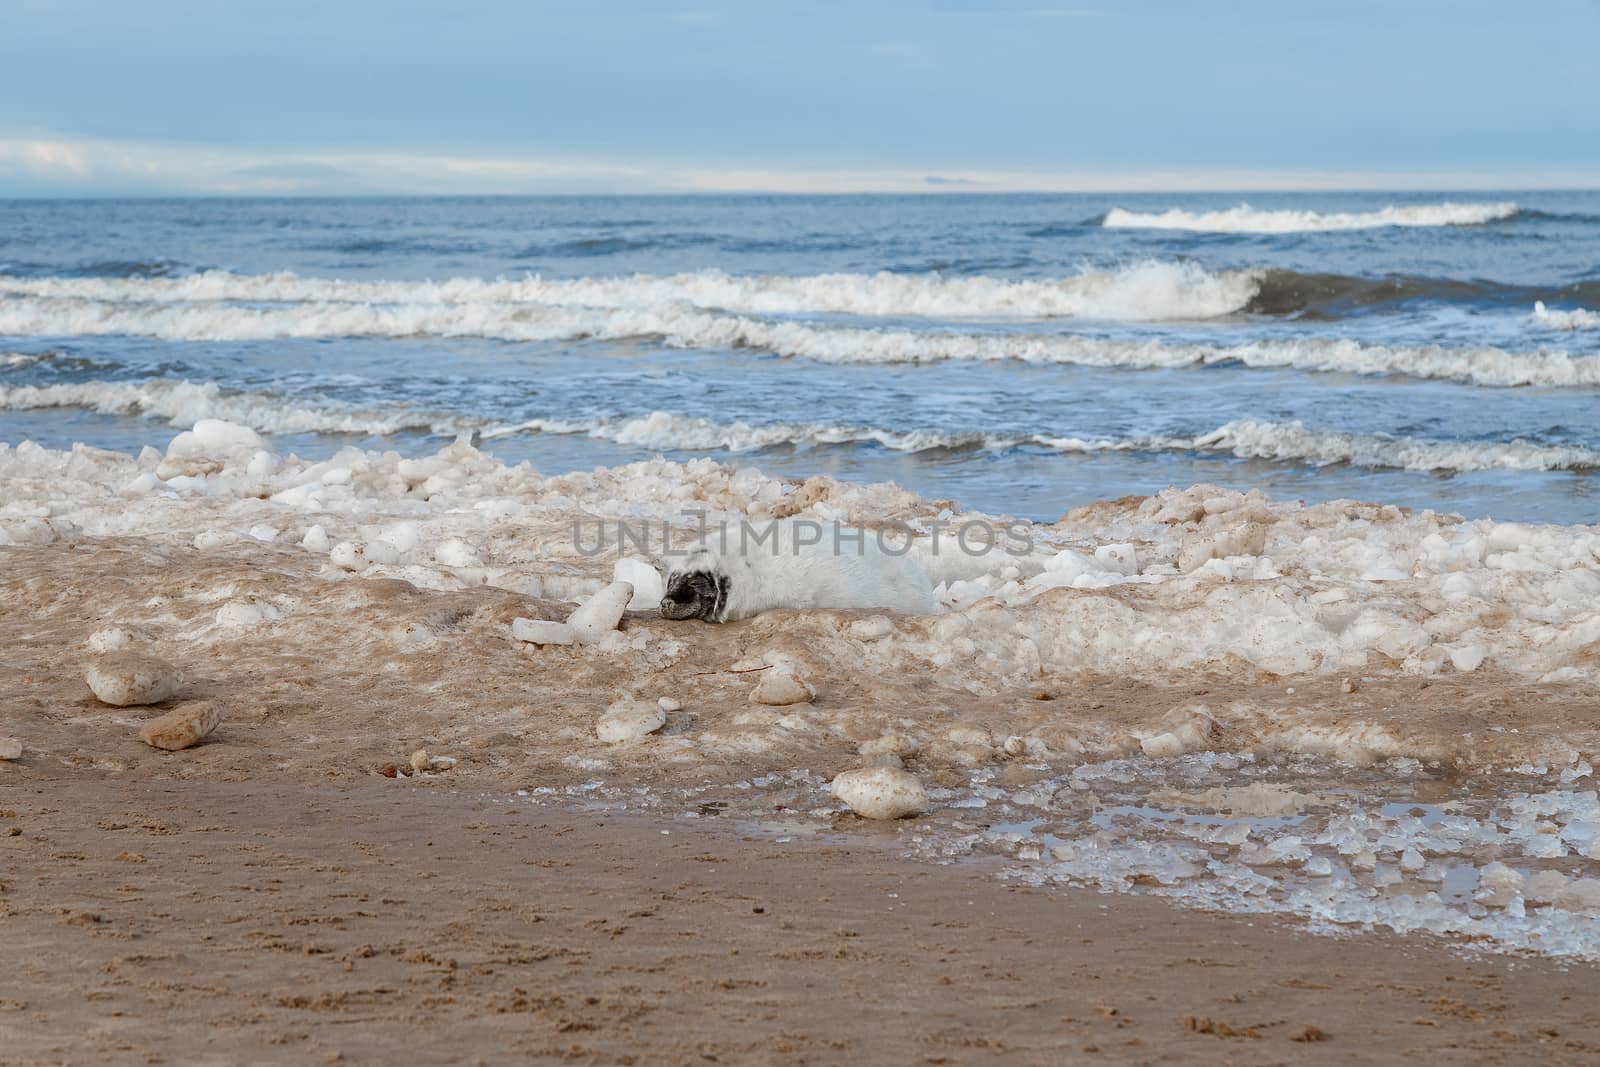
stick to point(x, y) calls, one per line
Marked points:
point(222, 922)
point(302, 886)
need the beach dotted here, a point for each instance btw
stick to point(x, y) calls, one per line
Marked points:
point(1252, 721)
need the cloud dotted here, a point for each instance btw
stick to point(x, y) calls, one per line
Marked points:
point(62, 167)
point(295, 171)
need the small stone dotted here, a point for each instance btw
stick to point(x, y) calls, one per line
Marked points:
point(779, 688)
point(1347, 686)
point(600, 614)
point(389, 770)
point(890, 744)
point(419, 760)
point(629, 719)
point(881, 792)
point(124, 679)
point(541, 632)
point(1162, 746)
point(181, 727)
point(668, 704)
point(10, 748)
point(1014, 746)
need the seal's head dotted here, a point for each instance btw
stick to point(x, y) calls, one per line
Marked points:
point(699, 591)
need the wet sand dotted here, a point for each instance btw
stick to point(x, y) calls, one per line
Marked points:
point(207, 922)
point(270, 896)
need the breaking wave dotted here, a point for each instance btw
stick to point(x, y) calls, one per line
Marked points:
point(683, 326)
point(1576, 319)
point(1245, 439)
point(1143, 292)
point(1246, 219)
point(185, 403)
point(23, 359)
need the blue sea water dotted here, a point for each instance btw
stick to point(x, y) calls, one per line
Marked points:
point(1019, 354)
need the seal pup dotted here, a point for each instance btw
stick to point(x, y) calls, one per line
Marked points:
point(792, 565)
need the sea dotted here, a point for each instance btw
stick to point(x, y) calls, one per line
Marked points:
point(1019, 354)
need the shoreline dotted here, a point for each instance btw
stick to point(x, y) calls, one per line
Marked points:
point(169, 921)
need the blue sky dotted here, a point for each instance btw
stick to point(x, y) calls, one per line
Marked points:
point(173, 96)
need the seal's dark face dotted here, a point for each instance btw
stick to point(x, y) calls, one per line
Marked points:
point(695, 595)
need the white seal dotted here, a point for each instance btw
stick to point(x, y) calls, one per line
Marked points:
point(745, 571)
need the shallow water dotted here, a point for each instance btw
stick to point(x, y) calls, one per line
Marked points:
point(1020, 356)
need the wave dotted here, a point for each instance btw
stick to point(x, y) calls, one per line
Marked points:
point(1292, 441)
point(1576, 319)
point(660, 430)
point(683, 326)
point(10, 360)
point(1246, 219)
point(1245, 439)
point(1151, 291)
point(184, 403)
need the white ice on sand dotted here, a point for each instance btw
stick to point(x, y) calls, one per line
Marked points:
point(599, 615)
point(541, 632)
point(630, 719)
point(1198, 579)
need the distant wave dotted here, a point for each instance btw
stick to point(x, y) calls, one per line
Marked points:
point(1576, 319)
point(684, 326)
point(1246, 219)
point(184, 403)
point(1150, 291)
point(1142, 292)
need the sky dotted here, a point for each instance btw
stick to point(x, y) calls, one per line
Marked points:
point(130, 97)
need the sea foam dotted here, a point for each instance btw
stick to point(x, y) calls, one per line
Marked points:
point(183, 403)
point(1576, 319)
point(685, 326)
point(1246, 219)
point(1151, 291)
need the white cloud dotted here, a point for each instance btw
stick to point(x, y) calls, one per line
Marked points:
point(75, 168)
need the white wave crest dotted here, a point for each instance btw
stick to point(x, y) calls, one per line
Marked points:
point(1246, 219)
point(1293, 441)
point(1246, 439)
point(22, 359)
point(1151, 291)
point(682, 326)
point(1576, 319)
point(661, 430)
point(184, 403)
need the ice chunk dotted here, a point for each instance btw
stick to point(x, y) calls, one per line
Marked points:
point(648, 587)
point(600, 614)
point(541, 632)
point(629, 719)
